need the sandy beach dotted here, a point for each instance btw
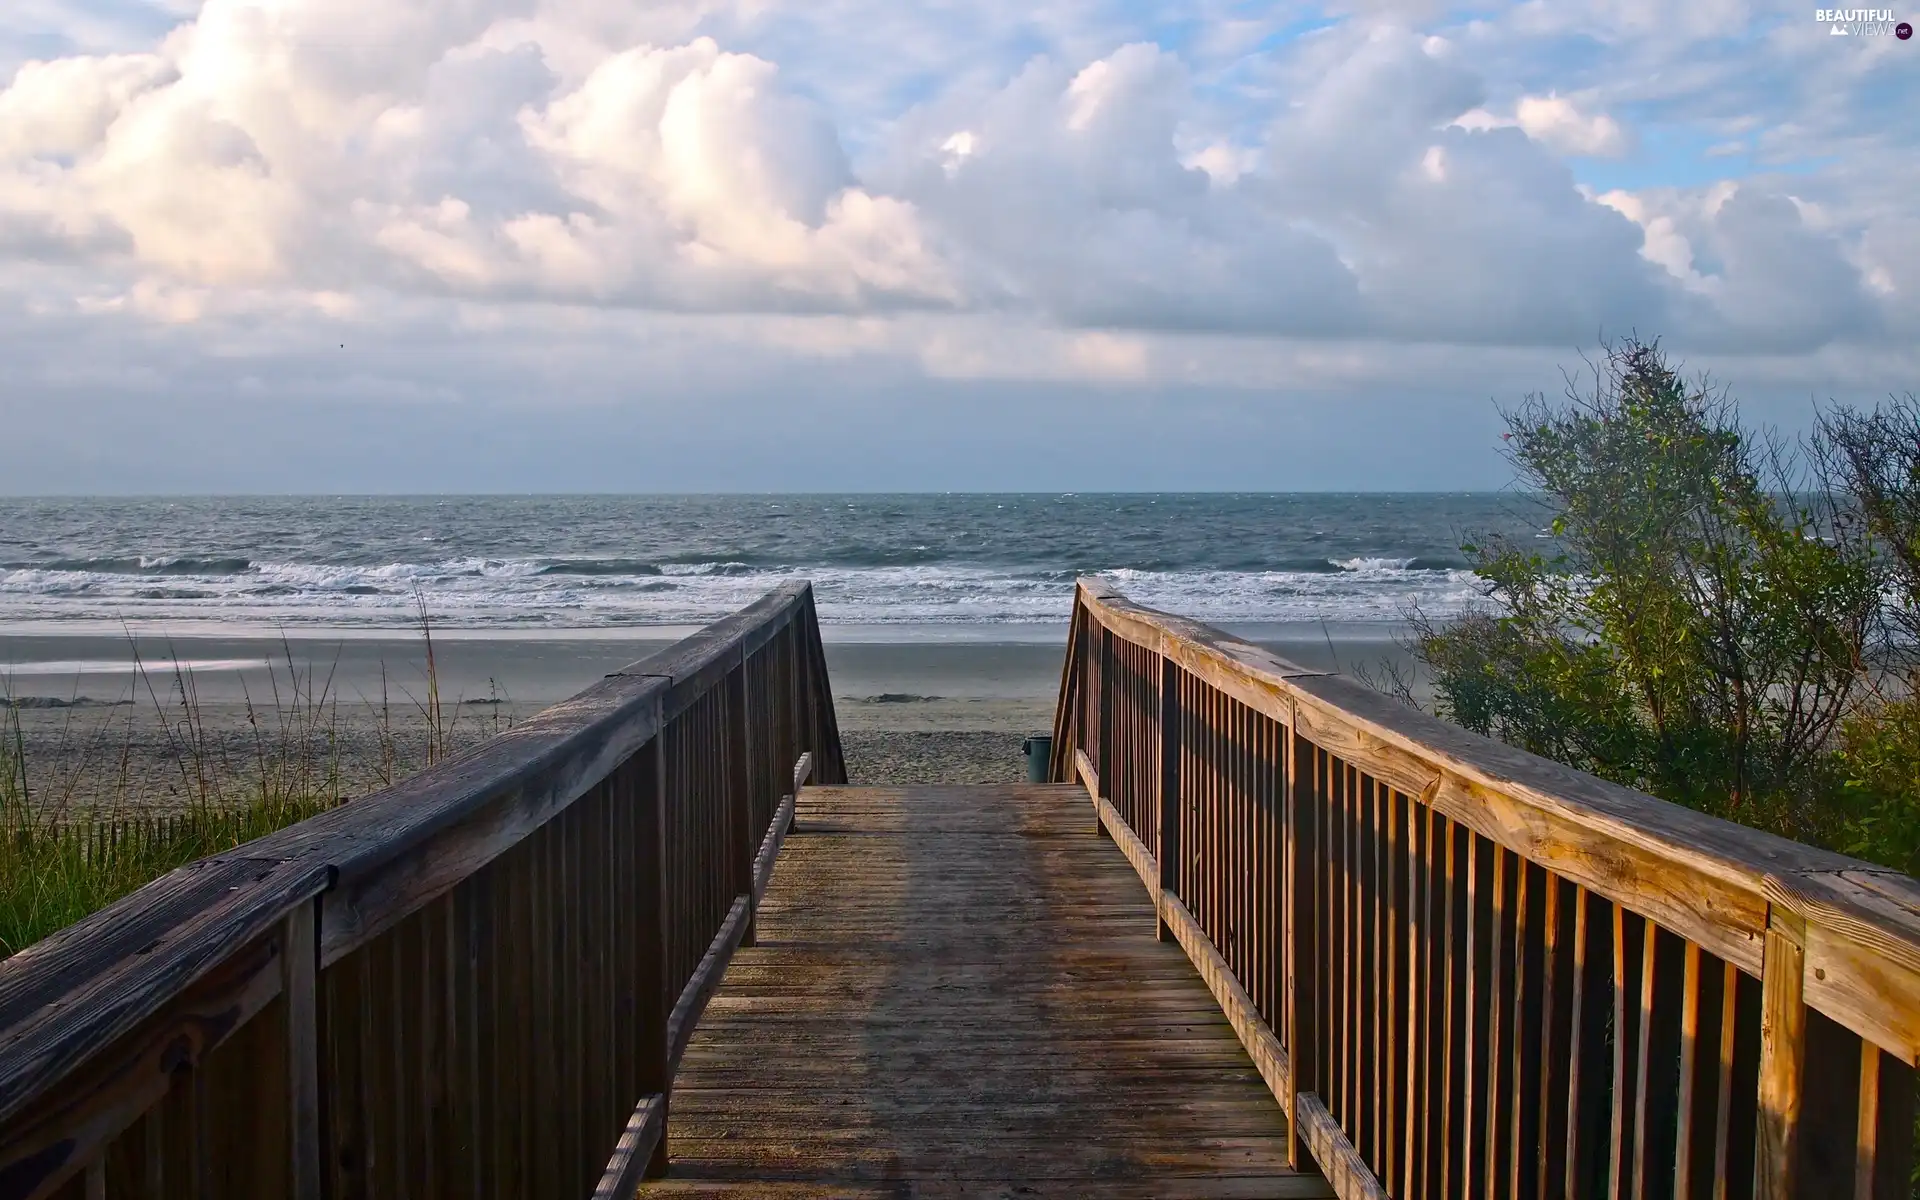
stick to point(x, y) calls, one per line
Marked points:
point(349, 710)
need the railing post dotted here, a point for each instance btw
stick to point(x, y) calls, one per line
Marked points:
point(650, 935)
point(299, 974)
point(1783, 1030)
point(1169, 851)
point(740, 790)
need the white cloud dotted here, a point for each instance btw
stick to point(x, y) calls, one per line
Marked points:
point(63, 108)
point(1763, 269)
point(1005, 191)
point(1558, 122)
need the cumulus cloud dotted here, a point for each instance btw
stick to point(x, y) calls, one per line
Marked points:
point(1356, 183)
point(1757, 269)
point(258, 148)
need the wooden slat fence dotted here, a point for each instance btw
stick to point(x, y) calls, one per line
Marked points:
point(1465, 970)
point(475, 983)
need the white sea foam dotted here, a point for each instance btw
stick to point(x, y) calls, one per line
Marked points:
point(523, 593)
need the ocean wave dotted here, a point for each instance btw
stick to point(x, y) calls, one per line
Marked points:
point(515, 593)
point(156, 565)
point(1374, 564)
point(600, 566)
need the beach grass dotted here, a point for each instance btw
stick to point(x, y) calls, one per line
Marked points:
point(85, 829)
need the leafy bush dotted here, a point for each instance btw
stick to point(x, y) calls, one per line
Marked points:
point(1874, 459)
point(1699, 625)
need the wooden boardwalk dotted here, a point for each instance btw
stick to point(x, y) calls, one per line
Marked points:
point(956, 991)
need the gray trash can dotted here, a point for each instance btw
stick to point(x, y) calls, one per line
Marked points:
point(1039, 752)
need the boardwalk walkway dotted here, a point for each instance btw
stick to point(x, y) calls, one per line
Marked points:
point(957, 992)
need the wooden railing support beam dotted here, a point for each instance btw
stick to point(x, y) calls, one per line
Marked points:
point(454, 986)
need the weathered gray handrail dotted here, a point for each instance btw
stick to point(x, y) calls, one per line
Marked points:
point(1464, 969)
point(476, 982)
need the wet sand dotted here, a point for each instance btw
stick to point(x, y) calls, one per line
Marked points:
point(349, 709)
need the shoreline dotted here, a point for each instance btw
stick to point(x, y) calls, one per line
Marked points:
point(851, 632)
point(98, 737)
point(537, 669)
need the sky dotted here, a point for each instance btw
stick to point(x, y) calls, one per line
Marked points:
point(593, 245)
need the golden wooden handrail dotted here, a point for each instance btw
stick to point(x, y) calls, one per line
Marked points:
point(476, 982)
point(1464, 969)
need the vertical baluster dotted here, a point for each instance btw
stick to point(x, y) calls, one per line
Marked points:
point(651, 1003)
point(1299, 938)
point(429, 954)
point(299, 971)
point(1367, 1111)
point(1624, 961)
point(1496, 998)
point(578, 1122)
point(1416, 1177)
point(464, 1080)
point(1169, 856)
point(1883, 1155)
point(1103, 750)
point(1685, 1160)
point(1275, 889)
point(1643, 1063)
point(1782, 1055)
point(1392, 859)
point(739, 774)
point(1251, 831)
point(1590, 1132)
point(1556, 1040)
point(1340, 1078)
point(1523, 1035)
point(1452, 981)
point(542, 1135)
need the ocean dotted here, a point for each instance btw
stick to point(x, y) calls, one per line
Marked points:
point(539, 564)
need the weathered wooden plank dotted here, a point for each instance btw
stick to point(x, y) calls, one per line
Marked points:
point(763, 862)
point(1260, 1042)
point(1783, 1029)
point(1855, 965)
point(71, 997)
point(396, 851)
point(960, 984)
point(1269, 1058)
point(635, 1149)
point(51, 1139)
point(1115, 826)
point(886, 1182)
point(1342, 1165)
point(706, 978)
point(1703, 879)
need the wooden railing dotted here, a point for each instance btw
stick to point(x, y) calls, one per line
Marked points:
point(476, 983)
point(1465, 970)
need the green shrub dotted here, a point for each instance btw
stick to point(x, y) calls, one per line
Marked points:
point(1698, 627)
